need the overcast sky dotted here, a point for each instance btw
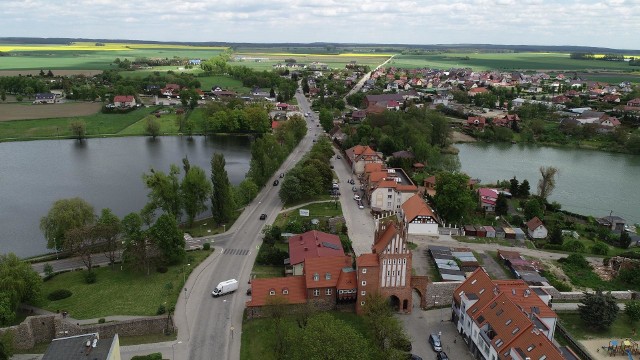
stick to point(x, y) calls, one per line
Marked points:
point(607, 23)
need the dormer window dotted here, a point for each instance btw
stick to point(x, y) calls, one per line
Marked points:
point(285, 291)
point(316, 277)
point(327, 276)
point(272, 292)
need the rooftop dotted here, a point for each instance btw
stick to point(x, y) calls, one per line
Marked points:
point(75, 348)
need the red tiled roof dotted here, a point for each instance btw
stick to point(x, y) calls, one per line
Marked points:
point(476, 120)
point(313, 244)
point(534, 345)
point(516, 290)
point(321, 266)
point(534, 223)
point(415, 206)
point(384, 238)
point(482, 281)
point(505, 254)
point(123, 98)
point(367, 260)
point(260, 289)
point(497, 316)
point(374, 167)
point(275, 124)
point(347, 280)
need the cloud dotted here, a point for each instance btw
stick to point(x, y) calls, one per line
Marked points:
point(540, 22)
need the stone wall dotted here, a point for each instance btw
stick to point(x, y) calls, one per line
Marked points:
point(577, 295)
point(441, 292)
point(44, 328)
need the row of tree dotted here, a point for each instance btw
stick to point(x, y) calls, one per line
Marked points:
point(310, 177)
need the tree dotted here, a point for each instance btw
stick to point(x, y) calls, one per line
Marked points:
point(502, 206)
point(82, 241)
point(598, 310)
point(625, 240)
point(547, 182)
point(195, 189)
point(326, 337)
point(78, 129)
point(108, 230)
point(533, 207)
point(388, 333)
point(524, 188)
point(453, 199)
point(272, 93)
point(556, 236)
point(65, 215)
point(326, 120)
point(246, 191)
point(164, 191)
point(632, 309)
point(6, 346)
point(514, 186)
point(152, 126)
point(222, 200)
point(168, 239)
point(18, 283)
point(135, 242)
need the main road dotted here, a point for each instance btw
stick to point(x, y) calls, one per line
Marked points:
point(210, 328)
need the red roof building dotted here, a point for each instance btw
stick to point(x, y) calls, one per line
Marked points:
point(418, 217)
point(312, 244)
point(477, 122)
point(290, 288)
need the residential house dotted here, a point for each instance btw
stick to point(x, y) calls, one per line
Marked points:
point(614, 223)
point(536, 229)
point(171, 90)
point(45, 98)
point(382, 100)
point(507, 120)
point(634, 102)
point(358, 115)
point(311, 244)
point(358, 156)
point(488, 198)
point(82, 347)
point(388, 189)
point(477, 122)
point(418, 217)
point(477, 90)
point(124, 101)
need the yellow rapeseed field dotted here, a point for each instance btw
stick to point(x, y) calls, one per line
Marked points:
point(91, 46)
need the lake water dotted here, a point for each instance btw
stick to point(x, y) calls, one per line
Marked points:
point(589, 182)
point(105, 172)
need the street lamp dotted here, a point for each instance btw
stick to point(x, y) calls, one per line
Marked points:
point(224, 228)
point(184, 275)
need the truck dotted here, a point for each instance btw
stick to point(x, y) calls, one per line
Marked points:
point(225, 287)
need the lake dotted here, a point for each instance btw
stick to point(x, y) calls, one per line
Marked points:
point(589, 182)
point(106, 172)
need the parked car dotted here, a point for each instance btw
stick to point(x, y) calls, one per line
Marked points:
point(249, 291)
point(263, 216)
point(442, 356)
point(360, 206)
point(281, 175)
point(356, 197)
point(331, 166)
point(414, 357)
point(338, 157)
point(354, 189)
point(276, 182)
point(434, 340)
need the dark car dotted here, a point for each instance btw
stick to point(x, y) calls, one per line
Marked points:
point(249, 291)
point(442, 356)
point(434, 340)
point(281, 175)
point(276, 182)
point(338, 157)
point(263, 217)
point(414, 357)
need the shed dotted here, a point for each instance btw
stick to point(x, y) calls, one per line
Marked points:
point(499, 231)
point(509, 233)
point(480, 232)
point(490, 231)
point(452, 275)
point(520, 234)
point(469, 230)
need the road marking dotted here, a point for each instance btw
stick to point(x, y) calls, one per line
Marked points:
point(240, 252)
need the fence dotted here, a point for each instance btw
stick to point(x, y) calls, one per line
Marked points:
point(573, 343)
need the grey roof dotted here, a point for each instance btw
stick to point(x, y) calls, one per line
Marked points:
point(447, 277)
point(436, 247)
point(442, 256)
point(74, 348)
point(539, 291)
point(467, 258)
point(462, 253)
point(518, 231)
point(45, 95)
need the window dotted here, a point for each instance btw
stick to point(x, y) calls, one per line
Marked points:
point(389, 204)
point(316, 277)
point(327, 276)
point(362, 303)
point(531, 347)
point(327, 292)
point(363, 293)
point(316, 292)
point(393, 273)
point(388, 273)
point(389, 196)
point(272, 292)
point(364, 283)
point(474, 281)
point(404, 261)
point(364, 271)
point(499, 312)
point(499, 343)
point(481, 291)
point(389, 190)
point(515, 330)
point(340, 292)
point(543, 357)
point(508, 322)
point(285, 291)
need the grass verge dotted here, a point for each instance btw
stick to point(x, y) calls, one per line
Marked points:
point(316, 211)
point(118, 292)
point(622, 328)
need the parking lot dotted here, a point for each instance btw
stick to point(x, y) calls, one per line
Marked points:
point(419, 324)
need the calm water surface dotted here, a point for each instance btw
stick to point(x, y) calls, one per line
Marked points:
point(105, 172)
point(589, 182)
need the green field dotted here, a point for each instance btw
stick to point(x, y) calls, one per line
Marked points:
point(622, 328)
point(333, 61)
point(99, 123)
point(118, 292)
point(167, 126)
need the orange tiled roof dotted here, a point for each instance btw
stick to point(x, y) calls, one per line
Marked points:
point(347, 280)
point(367, 260)
point(534, 344)
point(260, 290)
point(482, 281)
point(415, 206)
point(373, 167)
point(534, 223)
point(322, 267)
point(497, 313)
point(521, 294)
point(384, 238)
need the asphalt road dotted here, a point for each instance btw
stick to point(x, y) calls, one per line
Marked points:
point(214, 325)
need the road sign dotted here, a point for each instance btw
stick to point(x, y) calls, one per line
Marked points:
point(304, 212)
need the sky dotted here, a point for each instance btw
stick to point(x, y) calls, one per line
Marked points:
point(603, 23)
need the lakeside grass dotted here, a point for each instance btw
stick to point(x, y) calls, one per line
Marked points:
point(120, 291)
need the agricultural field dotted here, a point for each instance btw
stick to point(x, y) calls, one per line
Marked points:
point(24, 111)
point(87, 56)
point(335, 61)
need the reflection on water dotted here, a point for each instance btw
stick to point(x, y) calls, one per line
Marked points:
point(106, 172)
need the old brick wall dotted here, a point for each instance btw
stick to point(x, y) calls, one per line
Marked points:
point(33, 330)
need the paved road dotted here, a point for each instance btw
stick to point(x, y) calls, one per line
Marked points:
point(366, 77)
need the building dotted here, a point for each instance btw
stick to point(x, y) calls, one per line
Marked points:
point(536, 229)
point(45, 98)
point(124, 101)
point(358, 156)
point(82, 347)
point(382, 100)
point(312, 244)
point(488, 198)
point(614, 223)
point(418, 217)
point(504, 319)
point(388, 189)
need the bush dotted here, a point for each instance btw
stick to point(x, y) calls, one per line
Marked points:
point(576, 260)
point(161, 269)
point(161, 310)
point(574, 246)
point(154, 356)
point(102, 321)
point(206, 246)
point(48, 270)
point(271, 255)
point(90, 277)
point(599, 248)
point(549, 246)
point(59, 294)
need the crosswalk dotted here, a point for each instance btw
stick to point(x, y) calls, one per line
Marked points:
point(240, 252)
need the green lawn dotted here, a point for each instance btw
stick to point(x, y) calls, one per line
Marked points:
point(118, 292)
point(622, 328)
point(317, 210)
point(258, 340)
point(267, 271)
point(167, 126)
point(225, 82)
point(99, 123)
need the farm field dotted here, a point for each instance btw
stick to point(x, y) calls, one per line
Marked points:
point(24, 111)
point(336, 61)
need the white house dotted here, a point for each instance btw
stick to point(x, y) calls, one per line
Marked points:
point(536, 229)
point(418, 217)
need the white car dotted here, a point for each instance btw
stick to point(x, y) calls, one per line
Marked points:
point(356, 197)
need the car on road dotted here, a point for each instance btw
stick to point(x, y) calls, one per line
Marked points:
point(414, 357)
point(434, 340)
point(281, 175)
point(338, 157)
point(360, 206)
point(356, 197)
point(442, 356)
point(276, 182)
point(263, 216)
